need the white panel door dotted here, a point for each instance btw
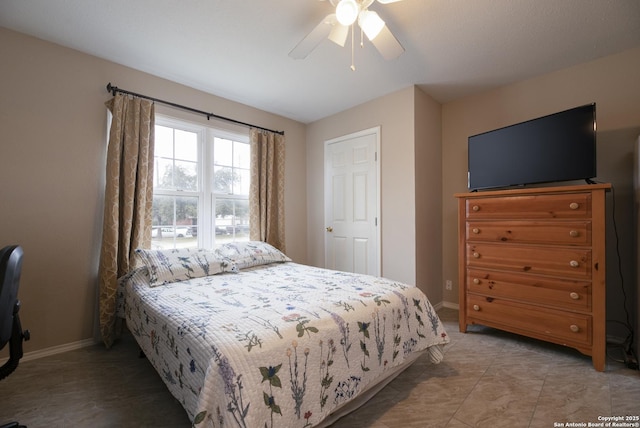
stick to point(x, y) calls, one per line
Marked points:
point(352, 203)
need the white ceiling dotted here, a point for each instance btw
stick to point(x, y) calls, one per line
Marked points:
point(237, 49)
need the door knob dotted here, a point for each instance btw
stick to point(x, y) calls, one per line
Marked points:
point(329, 229)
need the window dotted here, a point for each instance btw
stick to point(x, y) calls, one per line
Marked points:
point(201, 186)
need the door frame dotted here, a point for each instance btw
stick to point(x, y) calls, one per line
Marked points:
point(378, 161)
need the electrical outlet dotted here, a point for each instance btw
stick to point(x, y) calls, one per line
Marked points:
point(448, 284)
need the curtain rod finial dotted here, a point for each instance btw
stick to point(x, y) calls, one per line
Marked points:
point(112, 89)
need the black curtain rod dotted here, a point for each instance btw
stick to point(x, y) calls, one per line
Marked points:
point(114, 89)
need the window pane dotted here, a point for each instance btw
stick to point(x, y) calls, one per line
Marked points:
point(162, 211)
point(163, 173)
point(224, 212)
point(231, 220)
point(186, 211)
point(185, 176)
point(163, 142)
point(174, 222)
point(241, 155)
point(242, 215)
point(223, 179)
point(242, 186)
point(186, 145)
point(223, 221)
point(222, 152)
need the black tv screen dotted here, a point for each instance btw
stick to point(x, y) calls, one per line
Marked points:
point(557, 147)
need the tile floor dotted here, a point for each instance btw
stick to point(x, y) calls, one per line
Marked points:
point(488, 379)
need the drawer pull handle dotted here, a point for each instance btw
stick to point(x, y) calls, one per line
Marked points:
point(475, 208)
point(574, 328)
point(574, 295)
point(475, 230)
point(476, 255)
point(574, 233)
point(574, 205)
point(574, 264)
point(476, 281)
point(476, 307)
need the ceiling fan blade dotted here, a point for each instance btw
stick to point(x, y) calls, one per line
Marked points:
point(386, 43)
point(388, 1)
point(313, 39)
point(339, 33)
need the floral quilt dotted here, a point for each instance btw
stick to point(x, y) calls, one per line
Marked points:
point(276, 345)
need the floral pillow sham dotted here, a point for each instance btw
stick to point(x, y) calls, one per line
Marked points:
point(179, 264)
point(252, 253)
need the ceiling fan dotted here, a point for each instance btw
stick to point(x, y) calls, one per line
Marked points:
point(335, 27)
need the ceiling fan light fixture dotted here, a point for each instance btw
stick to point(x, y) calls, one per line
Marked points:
point(337, 26)
point(347, 12)
point(371, 23)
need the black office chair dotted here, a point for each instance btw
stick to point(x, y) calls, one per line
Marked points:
point(10, 328)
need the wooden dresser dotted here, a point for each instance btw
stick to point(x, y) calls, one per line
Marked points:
point(532, 262)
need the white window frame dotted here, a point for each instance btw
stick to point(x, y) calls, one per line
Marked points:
point(207, 198)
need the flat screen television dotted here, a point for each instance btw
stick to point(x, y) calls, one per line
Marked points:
point(553, 148)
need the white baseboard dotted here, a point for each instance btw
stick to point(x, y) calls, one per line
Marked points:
point(34, 355)
point(443, 304)
point(451, 305)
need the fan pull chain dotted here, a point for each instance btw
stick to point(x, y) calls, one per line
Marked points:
point(353, 65)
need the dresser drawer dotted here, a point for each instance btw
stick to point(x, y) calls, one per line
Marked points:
point(560, 293)
point(558, 261)
point(576, 205)
point(536, 321)
point(535, 232)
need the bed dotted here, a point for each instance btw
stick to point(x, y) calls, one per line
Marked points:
point(242, 336)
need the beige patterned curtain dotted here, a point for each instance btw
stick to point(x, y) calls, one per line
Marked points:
point(128, 198)
point(266, 194)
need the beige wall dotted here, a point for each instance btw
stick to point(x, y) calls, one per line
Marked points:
point(52, 157)
point(396, 114)
point(613, 84)
point(428, 166)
